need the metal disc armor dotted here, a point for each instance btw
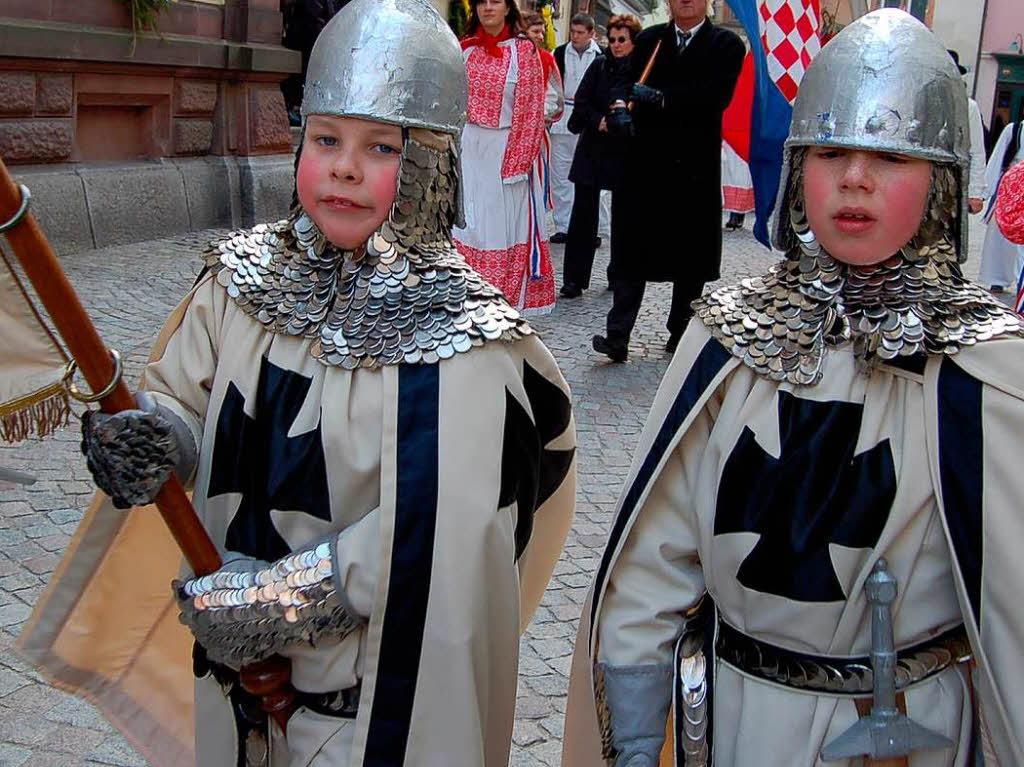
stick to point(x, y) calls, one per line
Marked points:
point(408, 297)
point(917, 301)
point(245, 616)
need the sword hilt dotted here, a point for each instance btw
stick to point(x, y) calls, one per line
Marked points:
point(885, 733)
point(881, 590)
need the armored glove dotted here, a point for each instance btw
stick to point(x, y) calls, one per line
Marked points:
point(638, 698)
point(249, 610)
point(644, 94)
point(132, 453)
point(619, 123)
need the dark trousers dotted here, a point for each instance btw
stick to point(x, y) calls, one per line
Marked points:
point(582, 236)
point(629, 295)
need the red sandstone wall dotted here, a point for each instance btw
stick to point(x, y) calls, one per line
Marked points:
point(257, 21)
point(112, 107)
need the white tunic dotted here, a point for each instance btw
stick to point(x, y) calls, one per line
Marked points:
point(1001, 260)
point(674, 553)
point(576, 65)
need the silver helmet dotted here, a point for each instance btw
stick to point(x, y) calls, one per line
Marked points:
point(886, 84)
point(395, 61)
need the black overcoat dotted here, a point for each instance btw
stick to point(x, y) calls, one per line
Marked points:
point(672, 182)
point(600, 157)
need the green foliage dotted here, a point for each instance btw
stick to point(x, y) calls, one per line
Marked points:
point(458, 16)
point(144, 13)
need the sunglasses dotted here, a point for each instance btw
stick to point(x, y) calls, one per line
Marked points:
point(618, 39)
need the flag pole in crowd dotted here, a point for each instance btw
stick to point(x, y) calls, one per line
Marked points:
point(784, 38)
point(101, 368)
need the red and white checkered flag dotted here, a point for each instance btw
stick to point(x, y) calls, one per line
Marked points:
point(790, 34)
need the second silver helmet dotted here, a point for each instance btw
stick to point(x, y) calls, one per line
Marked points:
point(884, 84)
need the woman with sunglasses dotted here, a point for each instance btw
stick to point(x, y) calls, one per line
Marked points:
point(600, 118)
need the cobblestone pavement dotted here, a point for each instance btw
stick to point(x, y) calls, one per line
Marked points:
point(129, 290)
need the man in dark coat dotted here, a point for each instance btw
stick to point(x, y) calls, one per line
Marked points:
point(671, 198)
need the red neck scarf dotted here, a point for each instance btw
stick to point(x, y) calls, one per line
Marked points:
point(488, 42)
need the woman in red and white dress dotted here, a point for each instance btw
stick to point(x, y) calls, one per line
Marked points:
point(505, 237)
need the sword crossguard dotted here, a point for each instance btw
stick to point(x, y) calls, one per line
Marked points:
point(885, 733)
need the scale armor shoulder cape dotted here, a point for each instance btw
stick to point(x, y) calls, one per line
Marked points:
point(916, 302)
point(409, 297)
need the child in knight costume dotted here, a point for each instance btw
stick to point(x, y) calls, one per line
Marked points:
point(816, 558)
point(378, 445)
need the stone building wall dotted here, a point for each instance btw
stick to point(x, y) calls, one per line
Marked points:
point(196, 105)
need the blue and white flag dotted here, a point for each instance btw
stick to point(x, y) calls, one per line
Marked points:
point(785, 37)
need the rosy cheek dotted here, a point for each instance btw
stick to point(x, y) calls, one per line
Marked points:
point(909, 196)
point(383, 186)
point(307, 177)
point(816, 192)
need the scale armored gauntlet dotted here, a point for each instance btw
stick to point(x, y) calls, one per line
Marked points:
point(132, 453)
point(243, 617)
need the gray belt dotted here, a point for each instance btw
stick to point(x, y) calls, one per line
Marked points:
point(834, 675)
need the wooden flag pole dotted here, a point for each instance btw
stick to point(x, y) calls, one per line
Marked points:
point(647, 70)
point(97, 365)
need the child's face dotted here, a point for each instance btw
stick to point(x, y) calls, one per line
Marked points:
point(863, 206)
point(536, 33)
point(346, 176)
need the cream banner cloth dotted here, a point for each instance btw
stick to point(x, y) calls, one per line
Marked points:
point(33, 400)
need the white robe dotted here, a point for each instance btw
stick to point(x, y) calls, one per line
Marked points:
point(1001, 260)
point(415, 460)
point(563, 143)
point(665, 551)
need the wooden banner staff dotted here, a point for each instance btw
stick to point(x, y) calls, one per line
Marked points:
point(647, 70)
point(101, 368)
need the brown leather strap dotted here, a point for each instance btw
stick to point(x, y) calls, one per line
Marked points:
point(864, 709)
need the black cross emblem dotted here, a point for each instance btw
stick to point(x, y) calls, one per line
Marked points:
point(530, 471)
point(256, 457)
point(815, 493)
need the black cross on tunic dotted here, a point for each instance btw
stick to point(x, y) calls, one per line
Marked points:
point(817, 492)
point(256, 457)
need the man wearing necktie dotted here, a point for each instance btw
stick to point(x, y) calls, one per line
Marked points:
point(669, 225)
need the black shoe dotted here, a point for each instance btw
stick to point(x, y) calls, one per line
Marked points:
point(570, 291)
point(559, 238)
point(614, 352)
point(735, 222)
point(672, 343)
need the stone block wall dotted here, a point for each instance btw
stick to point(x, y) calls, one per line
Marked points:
point(83, 116)
point(257, 21)
point(125, 137)
point(35, 117)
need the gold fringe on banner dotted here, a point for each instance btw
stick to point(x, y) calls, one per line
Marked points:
point(41, 412)
point(37, 414)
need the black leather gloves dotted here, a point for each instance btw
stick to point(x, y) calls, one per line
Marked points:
point(644, 94)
